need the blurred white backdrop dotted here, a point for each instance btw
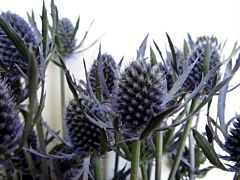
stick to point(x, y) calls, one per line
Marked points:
point(125, 23)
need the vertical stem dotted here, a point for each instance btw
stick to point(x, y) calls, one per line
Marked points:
point(192, 156)
point(135, 156)
point(116, 163)
point(98, 168)
point(149, 168)
point(62, 93)
point(183, 139)
point(144, 171)
point(159, 154)
point(42, 149)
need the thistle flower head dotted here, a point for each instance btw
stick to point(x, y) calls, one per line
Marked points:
point(233, 141)
point(66, 32)
point(199, 53)
point(11, 59)
point(82, 124)
point(10, 56)
point(139, 94)
point(10, 125)
point(110, 71)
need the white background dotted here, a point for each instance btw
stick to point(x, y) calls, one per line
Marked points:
point(126, 23)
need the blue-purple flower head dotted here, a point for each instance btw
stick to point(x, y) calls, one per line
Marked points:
point(138, 95)
point(14, 65)
point(66, 33)
point(232, 143)
point(199, 53)
point(10, 125)
point(80, 119)
point(110, 73)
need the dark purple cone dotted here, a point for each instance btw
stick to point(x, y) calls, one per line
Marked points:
point(84, 134)
point(110, 71)
point(199, 52)
point(138, 95)
point(10, 125)
point(11, 60)
point(66, 31)
point(233, 141)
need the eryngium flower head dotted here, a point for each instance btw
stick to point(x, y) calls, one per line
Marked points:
point(66, 31)
point(83, 133)
point(233, 141)
point(10, 58)
point(139, 94)
point(199, 53)
point(110, 71)
point(10, 125)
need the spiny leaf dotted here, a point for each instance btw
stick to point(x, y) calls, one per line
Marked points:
point(142, 48)
point(85, 36)
point(208, 150)
point(159, 51)
point(153, 57)
point(174, 57)
point(190, 41)
point(209, 134)
point(75, 30)
point(44, 30)
point(222, 96)
point(103, 141)
point(207, 59)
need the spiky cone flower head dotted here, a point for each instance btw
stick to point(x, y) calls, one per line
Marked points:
point(66, 32)
point(10, 125)
point(110, 72)
point(232, 143)
point(11, 59)
point(138, 95)
point(199, 53)
point(82, 129)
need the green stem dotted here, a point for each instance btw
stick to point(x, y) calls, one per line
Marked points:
point(98, 168)
point(135, 156)
point(62, 92)
point(183, 139)
point(192, 156)
point(116, 163)
point(159, 154)
point(42, 148)
point(144, 170)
